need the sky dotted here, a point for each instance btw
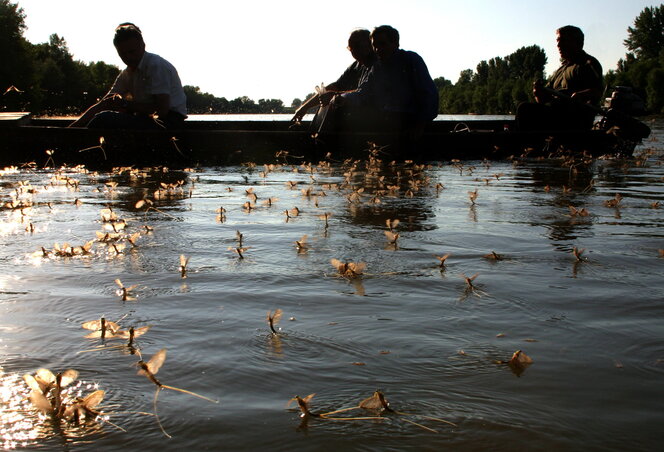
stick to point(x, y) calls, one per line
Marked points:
point(267, 49)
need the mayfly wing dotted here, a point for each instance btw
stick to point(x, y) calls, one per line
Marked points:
point(92, 400)
point(183, 261)
point(276, 317)
point(156, 361)
point(31, 382)
point(92, 325)
point(67, 377)
point(336, 263)
point(372, 403)
point(40, 402)
point(45, 379)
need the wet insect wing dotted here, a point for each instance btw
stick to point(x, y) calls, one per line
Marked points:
point(356, 268)
point(155, 363)
point(67, 377)
point(40, 402)
point(32, 383)
point(372, 403)
point(92, 400)
point(96, 325)
point(137, 332)
point(336, 263)
point(45, 379)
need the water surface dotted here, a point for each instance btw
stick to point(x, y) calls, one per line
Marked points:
point(407, 327)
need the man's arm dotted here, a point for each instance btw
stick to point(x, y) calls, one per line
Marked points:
point(313, 101)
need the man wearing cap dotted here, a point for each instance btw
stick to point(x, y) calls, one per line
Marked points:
point(147, 94)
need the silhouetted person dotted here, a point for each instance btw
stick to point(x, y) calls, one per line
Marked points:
point(359, 45)
point(147, 94)
point(579, 78)
point(399, 89)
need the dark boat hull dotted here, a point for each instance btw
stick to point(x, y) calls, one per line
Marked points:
point(210, 143)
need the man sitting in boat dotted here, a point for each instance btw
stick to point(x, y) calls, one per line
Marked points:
point(359, 45)
point(147, 94)
point(398, 88)
point(564, 103)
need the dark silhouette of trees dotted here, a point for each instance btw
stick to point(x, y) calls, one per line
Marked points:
point(496, 86)
point(643, 66)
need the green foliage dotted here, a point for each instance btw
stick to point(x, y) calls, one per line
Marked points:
point(643, 67)
point(496, 86)
point(646, 38)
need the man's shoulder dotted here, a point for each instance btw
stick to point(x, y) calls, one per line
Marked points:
point(154, 60)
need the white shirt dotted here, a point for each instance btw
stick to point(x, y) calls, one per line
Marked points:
point(154, 75)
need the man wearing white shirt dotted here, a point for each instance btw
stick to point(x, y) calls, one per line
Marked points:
point(147, 94)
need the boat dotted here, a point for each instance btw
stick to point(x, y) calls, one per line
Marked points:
point(25, 139)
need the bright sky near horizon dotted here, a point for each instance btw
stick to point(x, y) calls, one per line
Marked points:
point(282, 49)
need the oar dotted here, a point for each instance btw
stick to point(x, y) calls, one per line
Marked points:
point(632, 126)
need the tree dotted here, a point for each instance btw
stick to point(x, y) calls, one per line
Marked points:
point(646, 38)
point(16, 67)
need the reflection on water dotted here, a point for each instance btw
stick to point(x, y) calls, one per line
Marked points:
point(429, 310)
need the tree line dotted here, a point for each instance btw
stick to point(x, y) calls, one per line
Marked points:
point(643, 65)
point(46, 79)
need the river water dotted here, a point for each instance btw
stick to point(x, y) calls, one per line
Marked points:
point(418, 332)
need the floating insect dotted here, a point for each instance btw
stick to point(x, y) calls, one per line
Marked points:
point(239, 250)
point(442, 260)
point(472, 195)
point(615, 202)
point(348, 269)
point(392, 237)
point(125, 292)
point(469, 280)
point(578, 254)
point(574, 212)
point(273, 318)
point(379, 405)
point(493, 256)
point(392, 224)
point(83, 409)
point(101, 328)
point(43, 382)
point(239, 237)
point(184, 261)
point(325, 217)
point(150, 369)
point(303, 404)
point(302, 245)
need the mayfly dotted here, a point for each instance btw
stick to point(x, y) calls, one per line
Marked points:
point(469, 280)
point(392, 237)
point(183, 265)
point(239, 251)
point(150, 369)
point(392, 224)
point(133, 239)
point(44, 381)
point(378, 404)
point(325, 217)
point(493, 256)
point(348, 269)
point(84, 408)
point(578, 253)
point(472, 195)
point(301, 244)
point(442, 260)
point(273, 319)
point(101, 328)
point(125, 292)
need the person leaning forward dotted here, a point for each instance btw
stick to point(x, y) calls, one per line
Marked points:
point(578, 79)
point(359, 45)
point(147, 94)
point(398, 89)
